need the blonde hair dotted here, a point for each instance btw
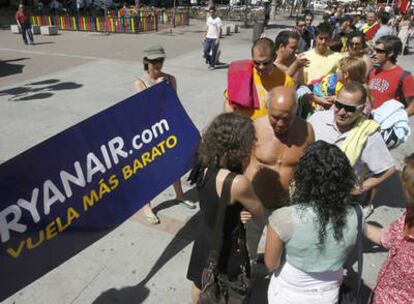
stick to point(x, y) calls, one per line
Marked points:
point(355, 67)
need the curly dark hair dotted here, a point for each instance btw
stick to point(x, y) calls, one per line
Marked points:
point(323, 180)
point(227, 142)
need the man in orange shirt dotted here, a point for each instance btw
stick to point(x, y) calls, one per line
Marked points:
point(265, 75)
point(23, 21)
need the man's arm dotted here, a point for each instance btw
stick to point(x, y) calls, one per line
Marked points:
point(227, 107)
point(410, 108)
point(220, 31)
point(17, 20)
point(300, 62)
point(377, 179)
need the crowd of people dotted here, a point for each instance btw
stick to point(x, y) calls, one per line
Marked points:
point(311, 119)
point(298, 156)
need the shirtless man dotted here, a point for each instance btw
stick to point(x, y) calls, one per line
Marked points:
point(281, 140)
point(286, 44)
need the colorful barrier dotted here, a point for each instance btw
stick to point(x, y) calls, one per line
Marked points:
point(144, 21)
point(130, 20)
point(166, 17)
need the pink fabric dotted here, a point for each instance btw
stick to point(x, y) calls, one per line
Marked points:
point(241, 90)
point(395, 284)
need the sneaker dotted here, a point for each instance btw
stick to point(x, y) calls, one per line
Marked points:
point(211, 68)
point(368, 210)
point(186, 203)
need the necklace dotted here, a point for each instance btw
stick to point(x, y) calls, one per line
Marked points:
point(279, 158)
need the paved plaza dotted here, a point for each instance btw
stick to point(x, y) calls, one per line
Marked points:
point(65, 79)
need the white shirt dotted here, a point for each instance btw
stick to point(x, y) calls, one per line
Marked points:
point(213, 27)
point(374, 155)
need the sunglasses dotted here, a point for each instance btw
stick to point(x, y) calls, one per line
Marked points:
point(155, 61)
point(348, 108)
point(264, 63)
point(379, 51)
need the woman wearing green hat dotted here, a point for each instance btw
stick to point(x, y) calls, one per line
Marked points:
point(153, 62)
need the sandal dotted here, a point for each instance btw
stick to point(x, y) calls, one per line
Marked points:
point(153, 219)
point(186, 203)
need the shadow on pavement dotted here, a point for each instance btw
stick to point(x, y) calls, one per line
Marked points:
point(133, 294)
point(390, 193)
point(44, 42)
point(38, 90)
point(7, 68)
point(139, 292)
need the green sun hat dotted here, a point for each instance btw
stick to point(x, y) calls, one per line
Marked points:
point(154, 52)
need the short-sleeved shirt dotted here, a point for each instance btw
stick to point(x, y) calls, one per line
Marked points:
point(395, 283)
point(263, 85)
point(321, 65)
point(383, 84)
point(213, 27)
point(374, 155)
point(384, 30)
point(298, 228)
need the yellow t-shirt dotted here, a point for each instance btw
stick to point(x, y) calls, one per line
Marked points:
point(321, 65)
point(263, 86)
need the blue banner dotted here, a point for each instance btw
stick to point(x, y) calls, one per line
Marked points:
point(67, 192)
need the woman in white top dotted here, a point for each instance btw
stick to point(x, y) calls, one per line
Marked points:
point(153, 62)
point(316, 232)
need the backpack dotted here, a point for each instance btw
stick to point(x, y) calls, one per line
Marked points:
point(399, 95)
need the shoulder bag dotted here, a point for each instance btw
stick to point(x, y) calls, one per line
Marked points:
point(217, 288)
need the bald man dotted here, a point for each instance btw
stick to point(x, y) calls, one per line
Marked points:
point(281, 140)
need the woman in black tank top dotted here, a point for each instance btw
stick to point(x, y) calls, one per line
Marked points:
point(224, 149)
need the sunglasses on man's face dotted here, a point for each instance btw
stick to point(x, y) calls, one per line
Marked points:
point(264, 62)
point(348, 108)
point(155, 61)
point(379, 51)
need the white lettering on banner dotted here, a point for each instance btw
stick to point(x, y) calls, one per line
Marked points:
point(117, 150)
point(11, 217)
point(79, 179)
point(148, 135)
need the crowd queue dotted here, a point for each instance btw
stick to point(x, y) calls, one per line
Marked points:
point(298, 156)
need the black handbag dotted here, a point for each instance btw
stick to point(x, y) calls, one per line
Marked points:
point(218, 288)
point(346, 294)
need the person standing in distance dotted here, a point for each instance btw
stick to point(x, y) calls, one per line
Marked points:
point(212, 39)
point(23, 21)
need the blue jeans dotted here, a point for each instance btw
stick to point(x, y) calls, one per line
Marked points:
point(27, 30)
point(210, 45)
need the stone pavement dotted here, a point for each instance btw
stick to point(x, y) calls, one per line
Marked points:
point(65, 79)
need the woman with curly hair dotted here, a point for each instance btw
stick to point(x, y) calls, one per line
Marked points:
point(224, 149)
point(316, 232)
point(395, 283)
